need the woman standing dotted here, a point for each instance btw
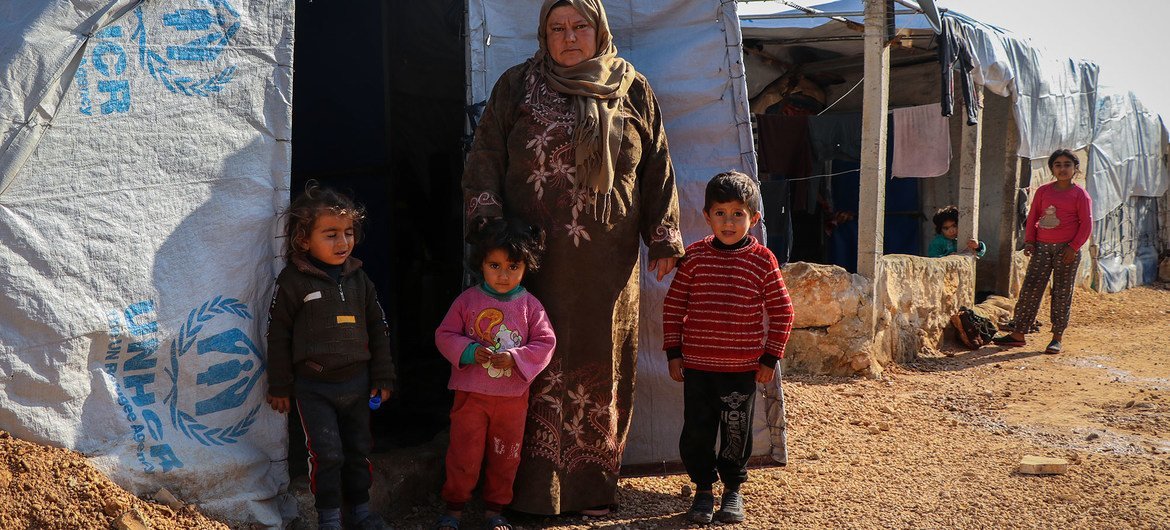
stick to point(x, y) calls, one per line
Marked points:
point(1059, 223)
point(572, 140)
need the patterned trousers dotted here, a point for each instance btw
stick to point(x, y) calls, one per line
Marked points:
point(1047, 261)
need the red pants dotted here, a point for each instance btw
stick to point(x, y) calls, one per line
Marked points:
point(486, 431)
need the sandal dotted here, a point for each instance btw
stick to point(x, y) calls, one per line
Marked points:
point(448, 521)
point(1008, 341)
point(498, 521)
point(596, 511)
point(1053, 348)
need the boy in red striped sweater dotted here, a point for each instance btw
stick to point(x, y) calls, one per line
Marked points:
point(725, 322)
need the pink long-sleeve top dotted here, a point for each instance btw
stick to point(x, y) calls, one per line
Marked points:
point(1060, 216)
point(514, 322)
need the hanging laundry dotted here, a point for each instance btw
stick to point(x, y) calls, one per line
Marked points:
point(835, 136)
point(922, 142)
point(784, 148)
point(953, 47)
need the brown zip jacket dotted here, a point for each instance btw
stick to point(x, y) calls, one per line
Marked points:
point(324, 330)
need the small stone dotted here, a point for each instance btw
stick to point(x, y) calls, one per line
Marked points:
point(1146, 405)
point(886, 409)
point(1092, 436)
point(686, 491)
point(1129, 404)
point(131, 520)
point(997, 365)
point(814, 456)
point(5, 477)
point(988, 393)
point(1040, 465)
point(883, 426)
point(165, 497)
point(855, 422)
point(113, 507)
point(1007, 393)
point(874, 430)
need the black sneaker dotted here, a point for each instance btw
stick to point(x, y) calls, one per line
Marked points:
point(702, 508)
point(730, 507)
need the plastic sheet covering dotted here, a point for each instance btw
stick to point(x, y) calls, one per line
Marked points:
point(1126, 157)
point(1127, 242)
point(1054, 98)
point(690, 51)
point(143, 157)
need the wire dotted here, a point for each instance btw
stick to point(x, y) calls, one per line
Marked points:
point(859, 81)
point(819, 176)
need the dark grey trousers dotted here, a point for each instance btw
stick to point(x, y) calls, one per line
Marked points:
point(336, 419)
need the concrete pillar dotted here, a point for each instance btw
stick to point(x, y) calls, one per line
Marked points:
point(970, 152)
point(871, 208)
point(1007, 225)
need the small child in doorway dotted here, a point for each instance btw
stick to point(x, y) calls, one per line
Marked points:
point(498, 338)
point(329, 348)
point(1059, 224)
point(726, 320)
point(946, 238)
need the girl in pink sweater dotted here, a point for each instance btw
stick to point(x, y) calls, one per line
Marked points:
point(1059, 223)
point(498, 338)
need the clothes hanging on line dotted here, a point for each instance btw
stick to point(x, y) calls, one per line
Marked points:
point(922, 142)
point(835, 136)
point(955, 50)
point(784, 145)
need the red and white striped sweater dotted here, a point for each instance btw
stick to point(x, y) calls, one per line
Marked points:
point(719, 305)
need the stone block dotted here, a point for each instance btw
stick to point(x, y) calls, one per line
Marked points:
point(1041, 465)
point(822, 294)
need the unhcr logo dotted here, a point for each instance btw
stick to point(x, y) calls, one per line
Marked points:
point(194, 386)
point(193, 39)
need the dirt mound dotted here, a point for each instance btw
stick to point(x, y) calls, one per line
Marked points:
point(47, 487)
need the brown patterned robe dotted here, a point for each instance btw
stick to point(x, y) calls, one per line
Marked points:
point(522, 164)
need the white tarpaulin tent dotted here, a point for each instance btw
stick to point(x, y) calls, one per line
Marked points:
point(1057, 103)
point(144, 156)
point(690, 51)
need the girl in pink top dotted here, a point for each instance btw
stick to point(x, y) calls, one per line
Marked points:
point(498, 338)
point(1059, 223)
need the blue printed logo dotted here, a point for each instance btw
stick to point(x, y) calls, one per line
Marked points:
point(208, 371)
point(194, 39)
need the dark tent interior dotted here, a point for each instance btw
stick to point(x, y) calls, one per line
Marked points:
point(378, 114)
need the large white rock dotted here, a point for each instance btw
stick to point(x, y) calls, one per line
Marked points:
point(916, 298)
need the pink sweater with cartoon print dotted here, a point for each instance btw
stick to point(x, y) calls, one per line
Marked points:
point(514, 322)
point(1060, 216)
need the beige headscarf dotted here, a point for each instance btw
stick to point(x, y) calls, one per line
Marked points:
point(596, 86)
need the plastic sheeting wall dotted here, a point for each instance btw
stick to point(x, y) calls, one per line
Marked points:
point(143, 160)
point(690, 51)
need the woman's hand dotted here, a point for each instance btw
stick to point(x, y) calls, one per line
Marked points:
point(1069, 255)
point(664, 266)
point(1029, 248)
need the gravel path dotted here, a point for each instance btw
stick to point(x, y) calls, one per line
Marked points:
point(932, 445)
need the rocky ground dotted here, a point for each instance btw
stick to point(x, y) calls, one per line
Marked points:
point(934, 444)
point(51, 488)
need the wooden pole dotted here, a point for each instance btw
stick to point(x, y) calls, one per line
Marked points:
point(874, 123)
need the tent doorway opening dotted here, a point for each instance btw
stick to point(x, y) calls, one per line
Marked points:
point(378, 114)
